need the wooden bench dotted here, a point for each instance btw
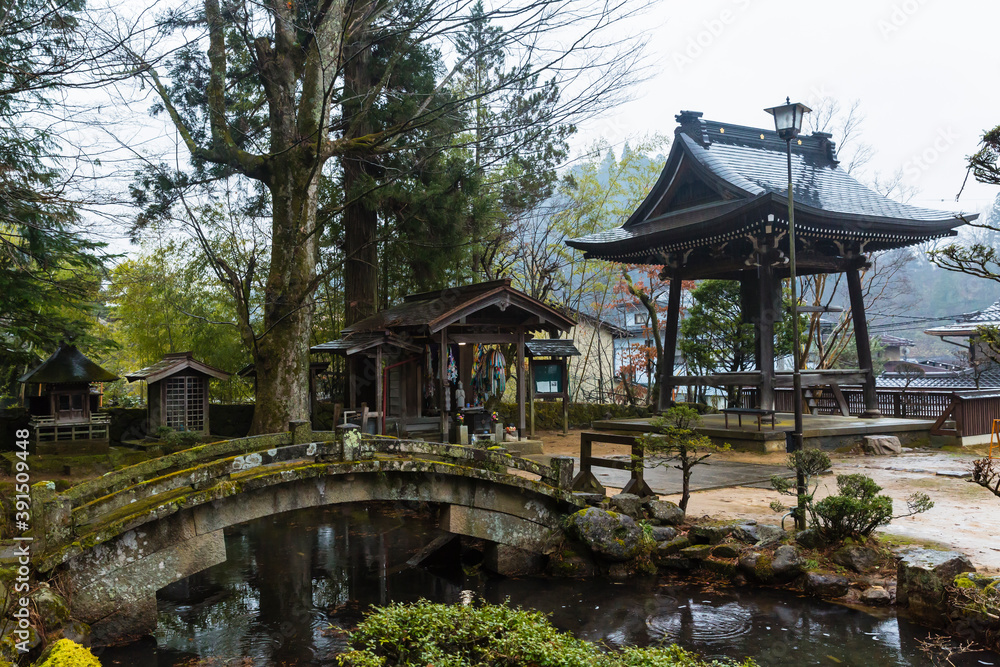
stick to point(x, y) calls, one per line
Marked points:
point(759, 413)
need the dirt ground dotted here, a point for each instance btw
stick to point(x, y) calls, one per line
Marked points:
point(965, 517)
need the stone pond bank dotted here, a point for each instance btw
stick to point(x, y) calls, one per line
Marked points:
point(628, 535)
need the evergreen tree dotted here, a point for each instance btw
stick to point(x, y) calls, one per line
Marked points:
point(276, 91)
point(49, 273)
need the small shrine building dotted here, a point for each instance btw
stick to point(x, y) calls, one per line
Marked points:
point(62, 396)
point(406, 362)
point(177, 392)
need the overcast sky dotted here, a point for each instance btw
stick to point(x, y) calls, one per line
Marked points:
point(925, 72)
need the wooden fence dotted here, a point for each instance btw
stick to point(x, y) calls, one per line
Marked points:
point(891, 402)
point(972, 412)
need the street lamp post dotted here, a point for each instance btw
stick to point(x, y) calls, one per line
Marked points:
point(788, 124)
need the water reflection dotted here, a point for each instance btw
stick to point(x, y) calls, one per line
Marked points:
point(294, 583)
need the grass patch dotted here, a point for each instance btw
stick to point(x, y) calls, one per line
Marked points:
point(895, 541)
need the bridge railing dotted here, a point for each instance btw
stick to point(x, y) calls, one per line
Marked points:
point(117, 480)
point(558, 474)
point(60, 518)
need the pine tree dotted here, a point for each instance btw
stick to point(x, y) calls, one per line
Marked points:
point(49, 273)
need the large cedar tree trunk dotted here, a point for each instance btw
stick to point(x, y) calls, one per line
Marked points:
point(282, 353)
point(360, 220)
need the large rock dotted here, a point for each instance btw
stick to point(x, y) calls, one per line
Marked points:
point(51, 607)
point(673, 546)
point(611, 535)
point(758, 534)
point(710, 534)
point(769, 534)
point(921, 578)
point(572, 559)
point(876, 596)
point(787, 563)
point(826, 585)
point(727, 550)
point(665, 512)
point(697, 552)
point(75, 631)
point(746, 533)
point(664, 533)
point(857, 558)
point(810, 538)
point(881, 445)
point(627, 503)
point(756, 566)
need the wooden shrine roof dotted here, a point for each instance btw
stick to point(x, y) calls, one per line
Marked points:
point(492, 305)
point(551, 347)
point(725, 183)
point(67, 365)
point(174, 363)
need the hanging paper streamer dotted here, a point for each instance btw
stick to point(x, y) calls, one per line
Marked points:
point(477, 361)
point(491, 376)
point(429, 367)
point(452, 367)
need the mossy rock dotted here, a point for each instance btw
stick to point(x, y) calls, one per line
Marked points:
point(697, 552)
point(758, 566)
point(51, 608)
point(721, 567)
point(65, 653)
point(726, 551)
point(612, 536)
point(983, 582)
point(573, 560)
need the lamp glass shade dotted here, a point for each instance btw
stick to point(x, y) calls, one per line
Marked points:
point(788, 119)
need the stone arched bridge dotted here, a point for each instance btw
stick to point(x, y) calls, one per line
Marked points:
point(118, 539)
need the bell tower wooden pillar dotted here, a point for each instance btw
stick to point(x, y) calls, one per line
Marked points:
point(863, 343)
point(665, 399)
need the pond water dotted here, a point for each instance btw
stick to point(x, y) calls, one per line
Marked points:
point(293, 584)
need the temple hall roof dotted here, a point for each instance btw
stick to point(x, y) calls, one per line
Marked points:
point(723, 183)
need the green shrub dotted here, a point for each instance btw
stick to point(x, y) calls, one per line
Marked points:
point(425, 633)
point(810, 464)
point(858, 509)
point(66, 653)
point(162, 431)
point(674, 437)
point(182, 438)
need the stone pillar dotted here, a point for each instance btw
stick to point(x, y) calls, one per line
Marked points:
point(510, 561)
point(562, 471)
point(301, 432)
point(51, 517)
